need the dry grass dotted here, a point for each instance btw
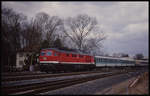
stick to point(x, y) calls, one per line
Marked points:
point(120, 88)
point(140, 87)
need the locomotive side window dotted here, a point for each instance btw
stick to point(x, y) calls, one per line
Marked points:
point(67, 55)
point(42, 53)
point(80, 56)
point(74, 55)
point(49, 53)
point(55, 54)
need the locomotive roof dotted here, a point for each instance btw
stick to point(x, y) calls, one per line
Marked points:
point(68, 51)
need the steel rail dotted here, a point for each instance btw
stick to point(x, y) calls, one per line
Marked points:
point(29, 77)
point(53, 85)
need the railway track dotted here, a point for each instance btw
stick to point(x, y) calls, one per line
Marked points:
point(37, 88)
point(41, 75)
point(21, 74)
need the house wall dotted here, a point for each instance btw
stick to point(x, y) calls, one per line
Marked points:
point(20, 59)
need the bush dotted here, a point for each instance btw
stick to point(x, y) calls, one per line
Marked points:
point(26, 67)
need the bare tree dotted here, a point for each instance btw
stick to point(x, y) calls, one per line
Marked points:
point(139, 56)
point(52, 26)
point(35, 31)
point(33, 34)
point(94, 44)
point(11, 25)
point(79, 29)
point(11, 34)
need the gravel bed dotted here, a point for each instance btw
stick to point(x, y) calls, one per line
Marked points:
point(91, 87)
point(23, 82)
point(24, 72)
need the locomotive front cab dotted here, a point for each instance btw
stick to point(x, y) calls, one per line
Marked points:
point(48, 58)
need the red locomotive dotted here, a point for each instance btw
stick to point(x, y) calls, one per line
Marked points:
point(55, 60)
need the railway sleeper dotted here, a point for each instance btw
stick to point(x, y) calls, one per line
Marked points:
point(54, 85)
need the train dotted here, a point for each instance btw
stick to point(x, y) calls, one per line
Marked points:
point(55, 60)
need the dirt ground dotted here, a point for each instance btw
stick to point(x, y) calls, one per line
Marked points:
point(136, 85)
point(141, 87)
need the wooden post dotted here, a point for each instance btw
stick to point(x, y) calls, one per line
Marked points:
point(31, 65)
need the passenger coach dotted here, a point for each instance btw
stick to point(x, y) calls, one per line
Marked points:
point(102, 61)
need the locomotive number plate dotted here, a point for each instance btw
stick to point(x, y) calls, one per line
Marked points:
point(44, 58)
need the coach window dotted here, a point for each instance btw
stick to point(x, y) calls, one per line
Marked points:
point(122, 61)
point(111, 60)
point(105, 60)
point(49, 53)
point(115, 61)
point(97, 60)
point(102, 60)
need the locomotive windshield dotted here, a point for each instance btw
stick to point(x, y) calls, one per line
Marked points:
point(49, 53)
point(42, 53)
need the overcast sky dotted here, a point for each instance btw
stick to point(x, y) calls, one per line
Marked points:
point(124, 23)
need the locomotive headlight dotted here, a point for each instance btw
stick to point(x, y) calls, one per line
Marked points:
point(44, 58)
